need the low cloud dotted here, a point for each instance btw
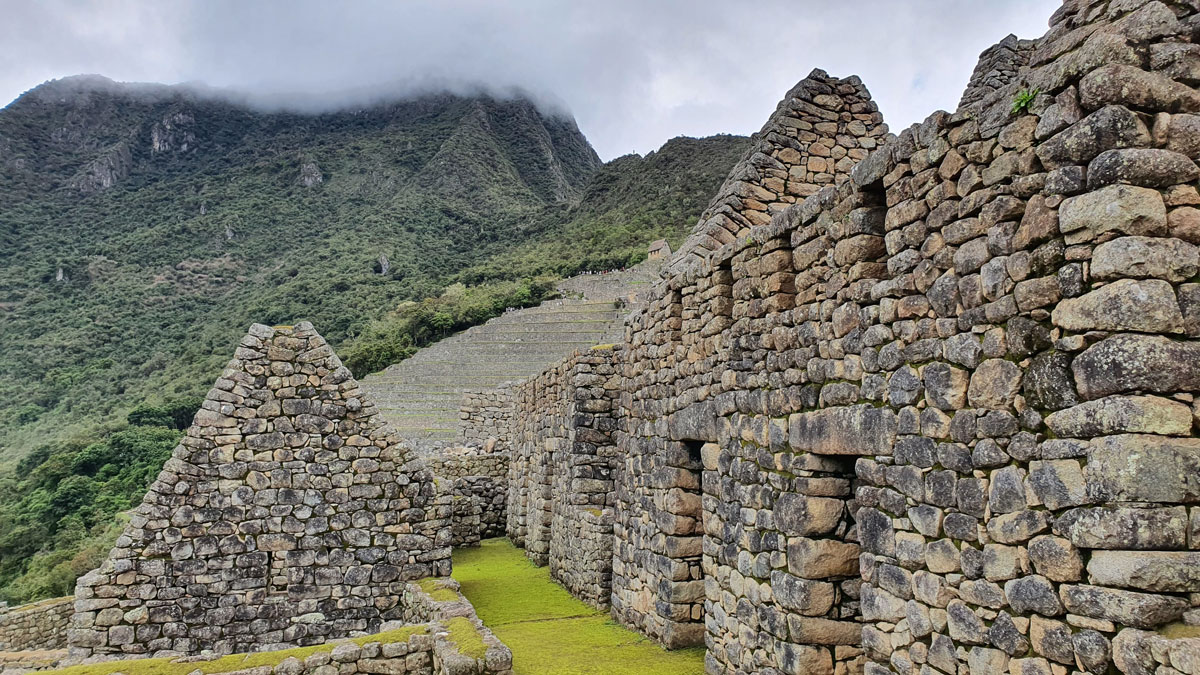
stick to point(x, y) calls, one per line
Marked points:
point(633, 73)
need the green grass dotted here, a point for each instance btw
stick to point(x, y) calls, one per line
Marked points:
point(439, 593)
point(466, 638)
point(550, 632)
point(232, 662)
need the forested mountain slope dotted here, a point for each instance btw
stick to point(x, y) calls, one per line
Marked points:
point(143, 227)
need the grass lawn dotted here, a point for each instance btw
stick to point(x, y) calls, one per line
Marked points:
point(550, 632)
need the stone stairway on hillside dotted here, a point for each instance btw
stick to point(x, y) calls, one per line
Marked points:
point(420, 396)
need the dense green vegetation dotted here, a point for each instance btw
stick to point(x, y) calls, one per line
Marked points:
point(209, 228)
point(629, 203)
point(59, 508)
point(143, 228)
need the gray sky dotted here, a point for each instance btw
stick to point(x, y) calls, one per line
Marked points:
point(633, 72)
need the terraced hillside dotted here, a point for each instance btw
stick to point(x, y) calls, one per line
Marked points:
point(420, 396)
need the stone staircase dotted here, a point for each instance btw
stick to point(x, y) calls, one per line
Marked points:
point(420, 396)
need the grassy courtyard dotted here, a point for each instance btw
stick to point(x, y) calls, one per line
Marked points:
point(550, 632)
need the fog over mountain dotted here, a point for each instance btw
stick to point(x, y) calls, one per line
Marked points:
point(632, 73)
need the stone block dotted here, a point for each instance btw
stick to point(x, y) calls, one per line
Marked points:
point(1126, 209)
point(821, 558)
point(1155, 571)
point(1147, 305)
point(1166, 258)
point(1129, 608)
point(1144, 468)
point(1122, 414)
point(805, 516)
point(853, 430)
point(1128, 363)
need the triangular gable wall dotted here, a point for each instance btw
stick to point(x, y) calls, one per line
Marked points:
point(288, 514)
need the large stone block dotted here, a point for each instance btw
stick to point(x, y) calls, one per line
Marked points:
point(1122, 208)
point(1149, 167)
point(1122, 527)
point(994, 384)
point(853, 430)
point(804, 596)
point(1156, 571)
point(822, 558)
point(1144, 468)
point(1129, 608)
point(805, 516)
point(1109, 127)
point(1122, 414)
point(1146, 305)
point(1141, 257)
point(1058, 483)
point(1128, 363)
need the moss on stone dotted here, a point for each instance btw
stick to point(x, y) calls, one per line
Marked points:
point(1179, 630)
point(466, 638)
point(232, 662)
point(550, 632)
point(439, 593)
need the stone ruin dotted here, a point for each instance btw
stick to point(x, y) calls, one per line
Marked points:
point(288, 514)
point(919, 403)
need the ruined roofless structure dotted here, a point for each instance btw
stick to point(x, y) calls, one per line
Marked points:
point(288, 514)
point(918, 403)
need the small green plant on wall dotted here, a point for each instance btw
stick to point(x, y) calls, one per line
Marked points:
point(1023, 100)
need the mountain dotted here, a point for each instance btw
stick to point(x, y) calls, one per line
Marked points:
point(142, 227)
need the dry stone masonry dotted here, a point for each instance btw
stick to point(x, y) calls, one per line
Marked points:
point(561, 479)
point(38, 625)
point(288, 514)
point(927, 407)
point(917, 404)
point(999, 66)
point(477, 483)
point(487, 419)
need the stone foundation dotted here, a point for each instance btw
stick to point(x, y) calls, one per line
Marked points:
point(435, 638)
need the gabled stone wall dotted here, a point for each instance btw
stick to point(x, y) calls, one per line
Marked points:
point(998, 67)
point(707, 333)
point(819, 130)
point(288, 514)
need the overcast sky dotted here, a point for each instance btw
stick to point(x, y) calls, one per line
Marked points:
point(633, 72)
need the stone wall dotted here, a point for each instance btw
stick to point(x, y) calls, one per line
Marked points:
point(38, 625)
point(706, 338)
point(288, 514)
point(939, 416)
point(487, 419)
point(438, 633)
point(805, 145)
point(438, 601)
point(478, 484)
point(998, 67)
point(561, 487)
